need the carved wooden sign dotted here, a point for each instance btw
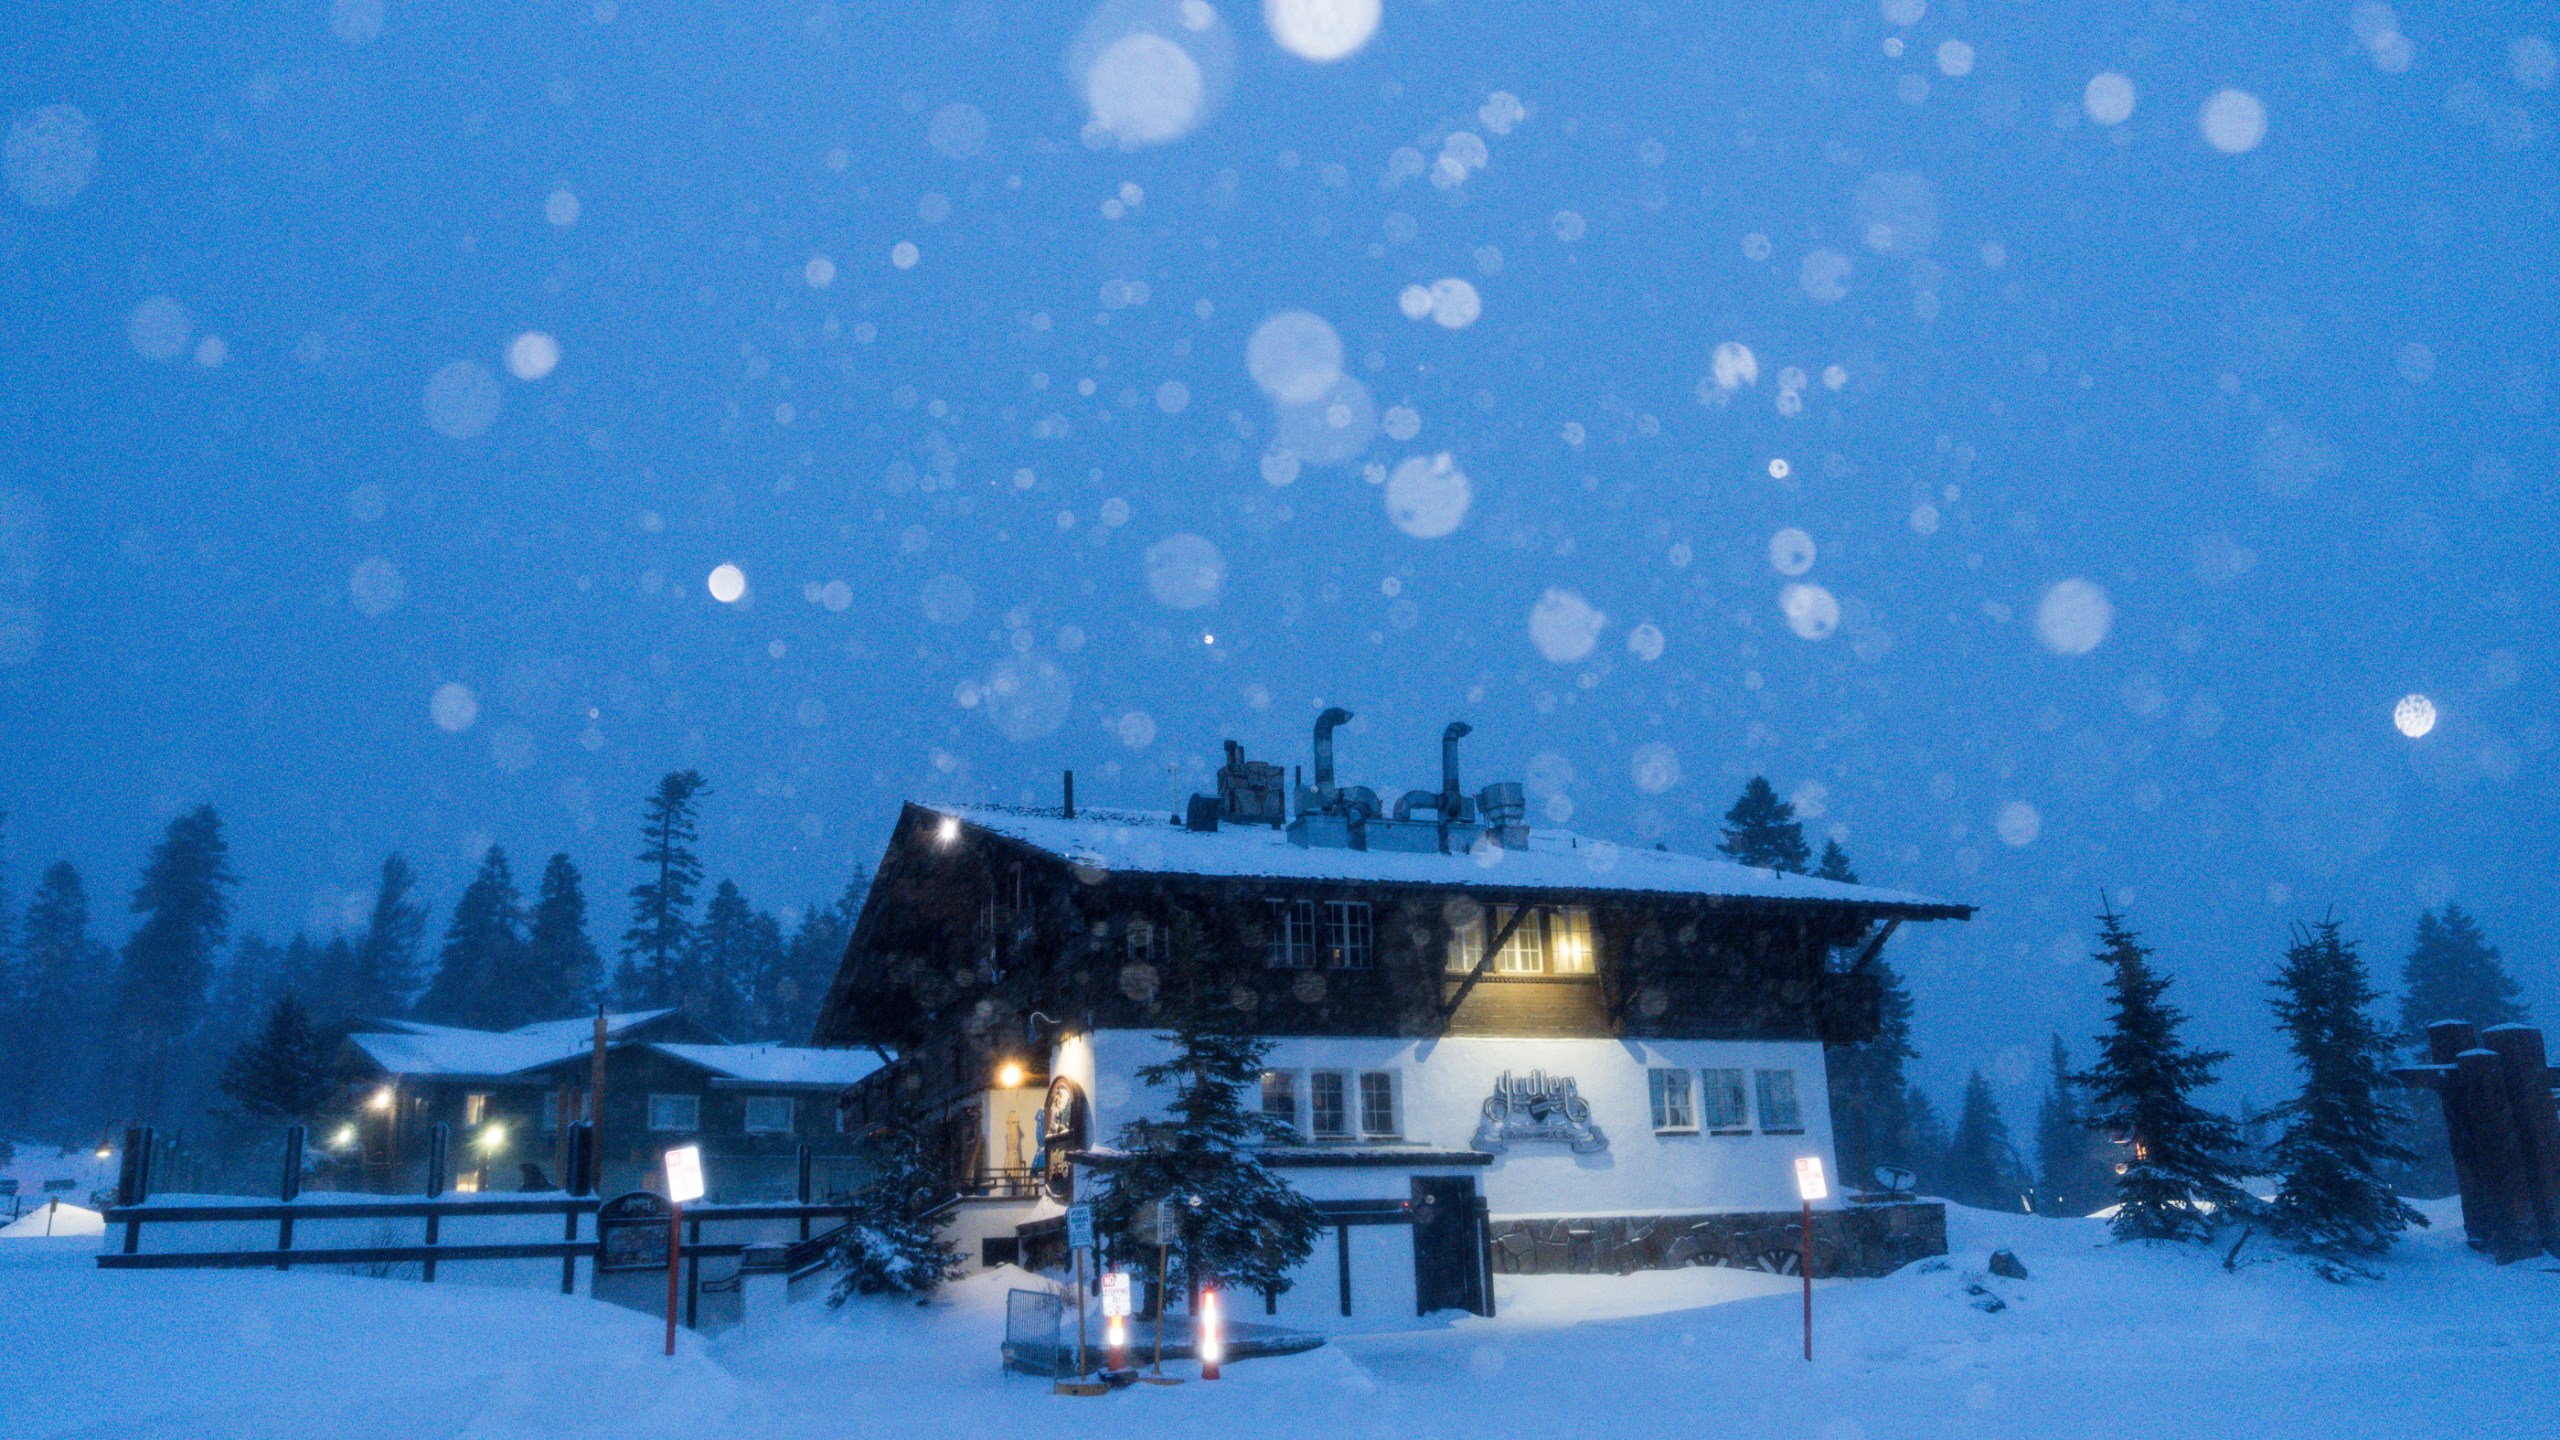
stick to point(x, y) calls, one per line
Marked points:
point(1537, 1108)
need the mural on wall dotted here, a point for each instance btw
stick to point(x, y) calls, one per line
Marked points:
point(1062, 1133)
point(1537, 1108)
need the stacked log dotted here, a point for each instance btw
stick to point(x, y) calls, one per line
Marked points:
point(2503, 1128)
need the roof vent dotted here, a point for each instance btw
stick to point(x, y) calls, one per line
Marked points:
point(1252, 792)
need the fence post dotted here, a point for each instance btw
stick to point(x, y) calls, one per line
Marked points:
point(437, 1140)
point(133, 1181)
point(286, 1190)
point(582, 1159)
point(807, 1167)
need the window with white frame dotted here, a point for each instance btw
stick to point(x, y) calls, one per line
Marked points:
point(681, 1114)
point(1549, 940)
point(1140, 938)
point(1779, 1113)
point(1672, 1111)
point(1728, 1109)
point(1292, 945)
point(768, 1114)
point(475, 1108)
point(1347, 933)
point(1280, 1097)
point(1378, 1104)
point(1329, 1105)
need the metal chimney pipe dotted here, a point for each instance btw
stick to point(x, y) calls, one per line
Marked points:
point(1324, 744)
point(1450, 795)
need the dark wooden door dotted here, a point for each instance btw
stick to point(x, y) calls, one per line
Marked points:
point(1448, 1255)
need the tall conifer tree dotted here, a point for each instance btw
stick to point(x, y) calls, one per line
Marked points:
point(2337, 1135)
point(1761, 830)
point(2454, 973)
point(661, 934)
point(719, 970)
point(562, 970)
point(384, 977)
point(483, 956)
point(70, 978)
point(1870, 1112)
point(284, 1072)
point(2179, 1175)
point(185, 906)
point(1982, 1167)
point(2072, 1174)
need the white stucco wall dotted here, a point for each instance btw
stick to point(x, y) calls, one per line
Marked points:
point(1442, 1087)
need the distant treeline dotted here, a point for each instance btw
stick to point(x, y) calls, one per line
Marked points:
point(94, 1034)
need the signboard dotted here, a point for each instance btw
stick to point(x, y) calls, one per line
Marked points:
point(62, 1183)
point(631, 1232)
point(1062, 1133)
point(1809, 1181)
point(9, 1185)
point(1079, 1227)
point(684, 1174)
point(1115, 1294)
point(1537, 1108)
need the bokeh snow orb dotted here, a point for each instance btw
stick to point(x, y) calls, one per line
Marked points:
point(1295, 357)
point(159, 328)
point(1173, 397)
point(1137, 729)
point(1564, 626)
point(1185, 572)
point(1145, 90)
point(1791, 551)
point(1812, 612)
point(957, 130)
point(2018, 824)
point(560, 207)
point(1415, 302)
point(948, 599)
point(1735, 366)
point(1824, 275)
point(357, 22)
point(1401, 422)
point(820, 272)
point(462, 400)
point(533, 355)
point(2414, 716)
point(904, 255)
point(1332, 428)
point(1645, 642)
point(1027, 697)
point(375, 586)
point(727, 583)
point(453, 707)
point(50, 156)
point(2074, 617)
point(1654, 767)
point(1895, 213)
point(1454, 303)
point(1321, 30)
point(2233, 121)
point(2108, 98)
point(1427, 496)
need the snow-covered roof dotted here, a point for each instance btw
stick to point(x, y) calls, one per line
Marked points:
point(582, 1028)
point(479, 1053)
point(1149, 842)
point(777, 1064)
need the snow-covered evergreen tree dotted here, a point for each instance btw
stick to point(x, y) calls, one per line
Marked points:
point(1834, 864)
point(70, 977)
point(382, 976)
point(892, 1244)
point(1761, 830)
point(2454, 973)
point(169, 960)
point(719, 967)
point(285, 1073)
point(1923, 1141)
point(483, 956)
point(561, 967)
point(2338, 1131)
point(2072, 1177)
point(661, 934)
point(2179, 1177)
point(1250, 1227)
point(1982, 1167)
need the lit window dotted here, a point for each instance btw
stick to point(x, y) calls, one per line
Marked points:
point(1377, 1103)
point(1332, 1112)
point(475, 1108)
point(1671, 1107)
point(1778, 1110)
point(1293, 935)
point(768, 1114)
point(1550, 940)
point(1726, 1108)
point(1569, 934)
point(680, 1114)
point(1280, 1097)
point(1346, 934)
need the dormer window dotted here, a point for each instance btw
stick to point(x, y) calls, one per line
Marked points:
point(1549, 940)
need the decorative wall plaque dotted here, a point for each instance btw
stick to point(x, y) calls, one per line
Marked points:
point(1062, 1132)
point(1537, 1108)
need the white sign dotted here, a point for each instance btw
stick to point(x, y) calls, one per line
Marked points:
point(1809, 1181)
point(1079, 1227)
point(1115, 1294)
point(684, 1174)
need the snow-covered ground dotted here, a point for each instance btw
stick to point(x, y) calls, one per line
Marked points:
point(2101, 1340)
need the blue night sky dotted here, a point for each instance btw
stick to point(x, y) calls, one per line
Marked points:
point(2146, 460)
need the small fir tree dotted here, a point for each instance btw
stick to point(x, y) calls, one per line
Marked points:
point(2072, 1176)
point(561, 967)
point(382, 974)
point(285, 1072)
point(654, 949)
point(2179, 1174)
point(2337, 1137)
point(1250, 1227)
point(1761, 830)
point(169, 961)
point(1835, 864)
point(892, 1243)
point(2454, 973)
point(719, 966)
point(1982, 1167)
point(483, 956)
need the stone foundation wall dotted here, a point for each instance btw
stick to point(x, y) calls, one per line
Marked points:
point(1865, 1240)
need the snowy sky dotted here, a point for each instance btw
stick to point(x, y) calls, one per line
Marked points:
point(2047, 440)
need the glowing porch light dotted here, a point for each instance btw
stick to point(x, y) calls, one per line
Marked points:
point(345, 1139)
point(493, 1137)
point(948, 831)
point(1009, 1074)
point(1213, 1339)
point(380, 1100)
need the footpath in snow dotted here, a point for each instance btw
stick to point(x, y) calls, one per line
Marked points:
point(2100, 1340)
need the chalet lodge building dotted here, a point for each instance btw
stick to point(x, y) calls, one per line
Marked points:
point(1502, 1049)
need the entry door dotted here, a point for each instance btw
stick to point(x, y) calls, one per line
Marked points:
point(1448, 1256)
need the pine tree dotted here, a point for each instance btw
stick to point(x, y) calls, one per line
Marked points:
point(2180, 1169)
point(384, 977)
point(720, 965)
point(18, 1016)
point(1923, 1141)
point(789, 1007)
point(1835, 864)
point(2338, 1131)
point(243, 994)
point(1869, 1107)
point(331, 967)
point(483, 955)
point(69, 977)
point(561, 969)
point(1982, 1167)
point(285, 1073)
point(2072, 1177)
point(892, 1243)
point(661, 933)
point(2454, 973)
point(1250, 1228)
point(1761, 830)
point(168, 962)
